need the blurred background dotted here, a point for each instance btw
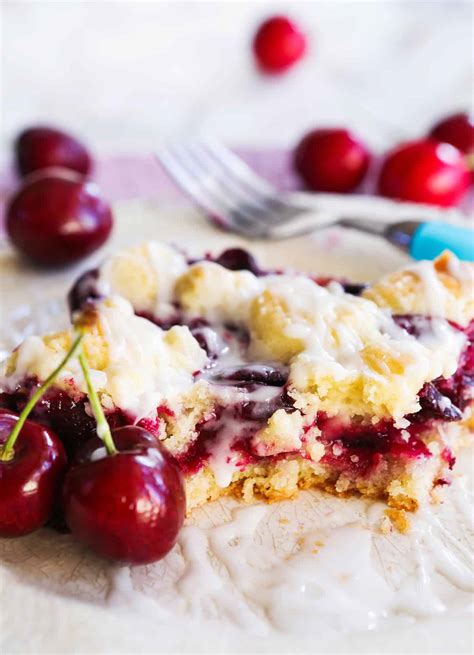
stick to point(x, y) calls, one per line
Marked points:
point(127, 75)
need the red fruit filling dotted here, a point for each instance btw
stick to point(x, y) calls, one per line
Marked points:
point(65, 414)
point(353, 449)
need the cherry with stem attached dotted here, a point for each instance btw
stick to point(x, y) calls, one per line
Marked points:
point(32, 465)
point(124, 495)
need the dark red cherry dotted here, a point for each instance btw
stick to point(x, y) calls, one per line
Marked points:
point(129, 506)
point(435, 405)
point(278, 44)
point(57, 217)
point(238, 259)
point(458, 130)
point(30, 479)
point(331, 160)
point(43, 147)
point(258, 374)
point(84, 290)
point(424, 171)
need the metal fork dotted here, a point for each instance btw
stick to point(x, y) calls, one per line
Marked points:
point(236, 198)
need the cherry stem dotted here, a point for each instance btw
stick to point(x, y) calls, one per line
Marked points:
point(103, 428)
point(7, 451)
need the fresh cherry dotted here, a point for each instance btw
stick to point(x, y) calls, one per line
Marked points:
point(278, 44)
point(30, 476)
point(458, 130)
point(128, 506)
point(57, 217)
point(124, 495)
point(332, 160)
point(43, 147)
point(238, 259)
point(424, 171)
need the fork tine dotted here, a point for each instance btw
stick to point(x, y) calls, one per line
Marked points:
point(240, 193)
point(239, 169)
point(277, 210)
point(252, 207)
point(189, 185)
point(237, 213)
point(196, 180)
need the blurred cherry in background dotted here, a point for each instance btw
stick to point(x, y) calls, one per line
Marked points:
point(424, 171)
point(42, 147)
point(331, 159)
point(278, 44)
point(57, 217)
point(458, 130)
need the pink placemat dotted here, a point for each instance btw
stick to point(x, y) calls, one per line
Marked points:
point(128, 177)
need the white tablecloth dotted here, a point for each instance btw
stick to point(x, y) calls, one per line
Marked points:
point(126, 75)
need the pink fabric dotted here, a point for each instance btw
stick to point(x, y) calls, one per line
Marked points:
point(129, 177)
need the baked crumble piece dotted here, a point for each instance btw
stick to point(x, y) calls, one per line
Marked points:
point(261, 383)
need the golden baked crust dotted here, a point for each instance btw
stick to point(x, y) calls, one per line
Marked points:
point(210, 290)
point(444, 288)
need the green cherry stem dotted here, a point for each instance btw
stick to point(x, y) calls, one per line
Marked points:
point(7, 452)
point(103, 429)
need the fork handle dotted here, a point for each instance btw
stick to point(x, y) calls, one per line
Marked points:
point(428, 240)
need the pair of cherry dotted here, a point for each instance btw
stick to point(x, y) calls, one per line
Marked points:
point(58, 215)
point(433, 170)
point(123, 494)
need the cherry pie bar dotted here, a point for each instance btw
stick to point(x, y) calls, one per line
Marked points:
point(264, 382)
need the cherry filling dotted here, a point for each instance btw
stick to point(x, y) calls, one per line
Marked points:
point(238, 259)
point(444, 398)
point(258, 374)
point(356, 450)
point(61, 412)
point(84, 291)
point(359, 449)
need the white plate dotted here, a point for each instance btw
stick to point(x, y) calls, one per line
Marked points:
point(311, 575)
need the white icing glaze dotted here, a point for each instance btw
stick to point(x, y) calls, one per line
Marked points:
point(434, 295)
point(346, 338)
point(335, 328)
point(436, 300)
point(316, 566)
point(343, 353)
point(142, 367)
point(168, 264)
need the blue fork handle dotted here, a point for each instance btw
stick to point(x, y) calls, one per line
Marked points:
point(430, 239)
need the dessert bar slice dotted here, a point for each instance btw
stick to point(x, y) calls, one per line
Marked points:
point(261, 383)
